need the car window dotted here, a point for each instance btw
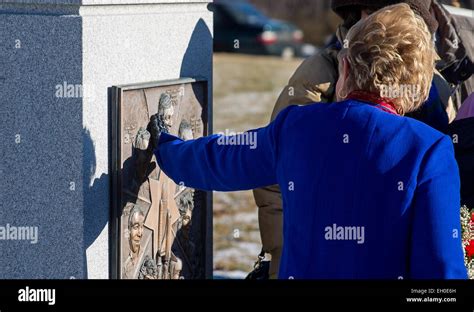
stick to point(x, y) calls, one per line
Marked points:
point(218, 18)
point(245, 13)
point(221, 16)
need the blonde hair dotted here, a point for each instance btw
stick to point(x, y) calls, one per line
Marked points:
point(391, 50)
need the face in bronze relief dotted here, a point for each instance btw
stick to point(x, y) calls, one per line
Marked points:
point(185, 131)
point(165, 112)
point(135, 227)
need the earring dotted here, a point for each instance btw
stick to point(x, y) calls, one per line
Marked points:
point(340, 96)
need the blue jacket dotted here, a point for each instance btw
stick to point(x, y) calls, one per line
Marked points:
point(366, 194)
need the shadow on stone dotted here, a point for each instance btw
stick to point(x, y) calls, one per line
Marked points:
point(96, 211)
point(197, 63)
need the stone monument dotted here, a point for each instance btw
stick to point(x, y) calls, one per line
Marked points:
point(59, 60)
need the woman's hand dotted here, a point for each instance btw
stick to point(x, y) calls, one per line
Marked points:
point(155, 128)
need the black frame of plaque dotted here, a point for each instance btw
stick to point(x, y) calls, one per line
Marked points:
point(115, 98)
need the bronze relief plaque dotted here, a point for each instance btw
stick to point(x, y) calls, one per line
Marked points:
point(159, 230)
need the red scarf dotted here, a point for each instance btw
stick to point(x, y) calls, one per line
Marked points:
point(377, 101)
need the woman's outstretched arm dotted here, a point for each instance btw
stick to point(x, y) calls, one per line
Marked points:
point(223, 163)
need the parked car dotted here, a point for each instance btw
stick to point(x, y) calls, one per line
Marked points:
point(240, 27)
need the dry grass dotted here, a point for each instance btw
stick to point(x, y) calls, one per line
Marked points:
point(245, 91)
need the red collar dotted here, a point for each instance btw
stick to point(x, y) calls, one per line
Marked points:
point(377, 101)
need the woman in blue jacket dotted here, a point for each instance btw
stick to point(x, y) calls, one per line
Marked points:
point(368, 193)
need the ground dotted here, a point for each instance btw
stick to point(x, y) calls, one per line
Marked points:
point(245, 91)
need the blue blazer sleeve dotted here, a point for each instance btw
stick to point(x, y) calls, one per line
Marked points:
point(218, 163)
point(436, 251)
